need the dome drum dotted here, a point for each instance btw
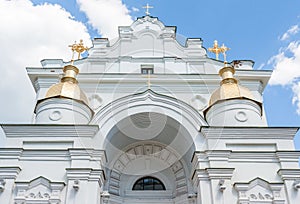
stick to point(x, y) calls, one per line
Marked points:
point(235, 112)
point(62, 111)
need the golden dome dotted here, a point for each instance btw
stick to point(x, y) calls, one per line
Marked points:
point(67, 90)
point(68, 87)
point(230, 89)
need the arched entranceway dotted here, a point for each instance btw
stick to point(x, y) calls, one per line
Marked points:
point(153, 135)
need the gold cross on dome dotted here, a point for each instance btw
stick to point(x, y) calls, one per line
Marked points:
point(224, 49)
point(215, 49)
point(147, 7)
point(79, 48)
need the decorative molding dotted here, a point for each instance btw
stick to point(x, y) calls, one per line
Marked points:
point(288, 156)
point(66, 154)
point(88, 174)
point(219, 173)
point(105, 196)
point(253, 79)
point(218, 155)
point(10, 153)
point(55, 115)
point(289, 174)
point(149, 26)
point(148, 98)
point(253, 156)
point(95, 101)
point(148, 150)
point(222, 185)
point(296, 185)
point(241, 116)
point(259, 191)
point(212, 173)
point(198, 102)
point(39, 190)
point(76, 185)
point(236, 156)
point(45, 155)
point(88, 154)
point(9, 172)
point(49, 130)
point(286, 133)
point(2, 185)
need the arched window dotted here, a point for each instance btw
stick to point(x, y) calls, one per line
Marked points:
point(148, 184)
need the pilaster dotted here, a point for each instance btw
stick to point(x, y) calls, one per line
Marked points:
point(8, 176)
point(213, 185)
point(85, 185)
point(291, 179)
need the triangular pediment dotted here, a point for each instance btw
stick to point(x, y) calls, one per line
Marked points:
point(38, 190)
point(258, 190)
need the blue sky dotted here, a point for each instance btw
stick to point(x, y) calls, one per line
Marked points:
point(265, 31)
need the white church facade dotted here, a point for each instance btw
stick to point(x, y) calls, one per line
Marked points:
point(144, 119)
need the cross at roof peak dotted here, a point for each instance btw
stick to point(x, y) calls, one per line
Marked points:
point(147, 7)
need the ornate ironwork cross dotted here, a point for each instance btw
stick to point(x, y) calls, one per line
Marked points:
point(79, 48)
point(215, 49)
point(224, 49)
point(147, 7)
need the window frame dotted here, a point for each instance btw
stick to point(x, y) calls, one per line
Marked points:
point(147, 69)
point(154, 184)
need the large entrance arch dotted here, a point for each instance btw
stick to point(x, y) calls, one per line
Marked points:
point(149, 134)
point(148, 101)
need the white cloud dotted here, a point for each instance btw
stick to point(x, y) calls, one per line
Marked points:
point(292, 31)
point(296, 98)
point(28, 34)
point(287, 70)
point(286, 65)
point(106, 15)
point(135, 9)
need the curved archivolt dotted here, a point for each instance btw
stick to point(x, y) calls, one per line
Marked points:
point(150, 151)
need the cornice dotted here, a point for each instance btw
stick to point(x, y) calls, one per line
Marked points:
point(89, 174)
point(253, 156)
point(52, 154)
point(245, 156)
point(88, 154)
point(219, 173)
point(288, 156)
point(48, 130)
point(286, 133)
point(211, 173)
point(44, 155)
point(289, 174)
point(9, 172)
point(10, 153)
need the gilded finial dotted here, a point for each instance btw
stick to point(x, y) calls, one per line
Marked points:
point(215, 49)
point(79, 48)
point(224, 49)
point(147, 7)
